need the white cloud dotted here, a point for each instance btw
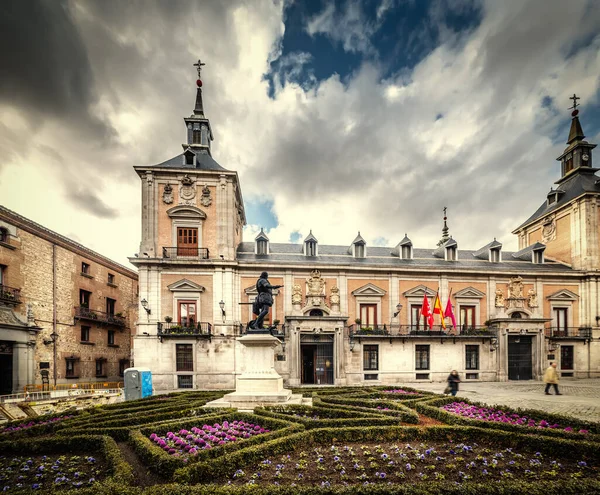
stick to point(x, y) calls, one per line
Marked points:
point(359, 154)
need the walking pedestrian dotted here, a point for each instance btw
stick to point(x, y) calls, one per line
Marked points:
point(551, 378)
point(453, 381)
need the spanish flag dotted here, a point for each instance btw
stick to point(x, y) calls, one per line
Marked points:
point(437, 309)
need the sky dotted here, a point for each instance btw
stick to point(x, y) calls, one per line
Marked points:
point(339, 117)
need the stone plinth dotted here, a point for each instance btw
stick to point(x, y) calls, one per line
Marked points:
point(259, 384)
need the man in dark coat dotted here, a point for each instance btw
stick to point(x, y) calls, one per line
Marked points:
point(453, 381)
point(263, 301)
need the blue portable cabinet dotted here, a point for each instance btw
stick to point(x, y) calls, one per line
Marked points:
point(138, 383)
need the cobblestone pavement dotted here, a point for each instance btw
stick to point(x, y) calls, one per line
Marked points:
point(581, 398)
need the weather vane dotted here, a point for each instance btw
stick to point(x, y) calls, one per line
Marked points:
point(574, 98)
point(199, 65)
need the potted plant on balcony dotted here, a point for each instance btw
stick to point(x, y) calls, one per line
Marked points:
point(168, 319)
point(275, 323)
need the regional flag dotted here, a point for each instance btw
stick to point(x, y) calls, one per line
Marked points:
point(449, 313)
point(437, 309)
point(426, 311)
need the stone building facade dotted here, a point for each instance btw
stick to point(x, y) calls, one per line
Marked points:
point(66, 312)
point(350, 314)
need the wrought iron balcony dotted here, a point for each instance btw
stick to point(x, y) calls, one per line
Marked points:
point(568, 332)
point(404, 331)
point(173, 329)
point(10, 295)
point(87, 314)
point(179, 252)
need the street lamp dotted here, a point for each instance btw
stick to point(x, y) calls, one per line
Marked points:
point(222, 306)
point(144, 304)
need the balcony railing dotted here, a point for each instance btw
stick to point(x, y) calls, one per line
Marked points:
point(172, 329)
point(179, 252)
point(85, 313)
point(414, 330)
point(568, 332)
point(10, 294)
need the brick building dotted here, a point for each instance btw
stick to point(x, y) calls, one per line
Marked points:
point(350, 314)
point(65, 310)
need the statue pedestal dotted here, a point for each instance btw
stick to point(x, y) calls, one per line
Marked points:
point(260, 384)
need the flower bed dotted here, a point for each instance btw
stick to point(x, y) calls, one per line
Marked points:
point(49, 471)
point(490, 414)
point(188, 442)
point(25, 426)
point(372, 463)
point(400, 391)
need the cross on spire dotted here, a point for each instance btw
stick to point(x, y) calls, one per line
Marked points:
point(575, 104)
point(199, 65)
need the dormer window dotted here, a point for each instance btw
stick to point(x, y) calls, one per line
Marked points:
point(495, 255)
point(261, 247)
point(406, 252)
point(358, 249)
point(262, 243)
point(189, 157)
point(538, 256)
point(451, 253)
point(311, 245)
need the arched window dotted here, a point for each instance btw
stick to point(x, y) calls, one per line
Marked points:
point(516, 314)
point(315, 312)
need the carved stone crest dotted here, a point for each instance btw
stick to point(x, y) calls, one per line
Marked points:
point(187, 189)
point(315, 288)
point(549, 229)
point(515, 288)
point(532, 298)
point(296, 294)
point(168, 194)
point(334, 297)
point(499, 298)
point(206, 200)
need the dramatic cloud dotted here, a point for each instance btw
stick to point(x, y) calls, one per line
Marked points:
point(93, 88)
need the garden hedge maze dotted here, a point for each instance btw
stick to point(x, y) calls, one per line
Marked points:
point(352, 440)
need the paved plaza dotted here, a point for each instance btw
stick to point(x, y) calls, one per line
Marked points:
point(581, 398)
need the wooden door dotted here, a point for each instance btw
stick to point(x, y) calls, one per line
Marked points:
point(187, 241)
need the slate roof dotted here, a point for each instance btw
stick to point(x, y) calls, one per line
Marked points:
point(203, 162)
point(582, 181)
point(525, 253)
point(483, 253)
point(288, 254)
point(310, 237)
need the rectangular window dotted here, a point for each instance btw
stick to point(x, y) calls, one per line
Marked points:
point(185, 381)
point(184, 357)
point(422, 376)
point(359, 250)
point(110, 306)
point(467, 317)
point(566, 357)
point(111, 279)
point(451, 253)
point(70, 373)
point(472, 376)
point(416, 317)
point(2, 267)
point(261, 247)
point(311, 248)
point(85, 268)
point(111, 337)
point(422, 357)
point(85, 334)
point(370, 357)
point(371, 376)
point(472, 357)
point(368, 315)
point(561, 318)
point(84, 298)
point(3, 235)
point(187, 241)
point(406, 252)
point(100, 367)
point(495, 255)
point(123, 365)
point(187, 313)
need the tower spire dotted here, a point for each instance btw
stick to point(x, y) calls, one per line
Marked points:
point(199, 133)
point(576, 132)
point(445, 230)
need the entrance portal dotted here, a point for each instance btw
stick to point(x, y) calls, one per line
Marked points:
point(317, 363)
point(520, 363)
point(6, 371)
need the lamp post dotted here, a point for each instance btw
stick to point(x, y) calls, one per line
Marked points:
point(222, 306)
point(398, 309)
point(144, 304)
point(54, 337)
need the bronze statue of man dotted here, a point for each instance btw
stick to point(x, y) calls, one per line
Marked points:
point(263, 301)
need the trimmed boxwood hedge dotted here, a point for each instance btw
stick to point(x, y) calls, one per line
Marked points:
point(222, 466)
point(120, 471)
point(400, 411)
point(166, 464)
point(432, 408)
